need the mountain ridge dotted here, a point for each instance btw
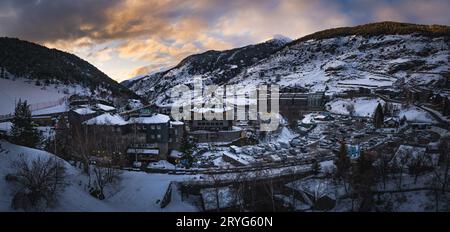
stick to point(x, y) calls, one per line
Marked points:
point(379, 54)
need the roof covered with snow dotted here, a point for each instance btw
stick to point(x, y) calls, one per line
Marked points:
point(105, 107)
point(84, 111)
point(176, 123)
point(6, 126)
point(107, 119)
point(155, 119)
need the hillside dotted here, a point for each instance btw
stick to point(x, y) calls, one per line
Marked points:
point(138, 191)
point(381, 28)
point(386, 54)
point(45, 77)
point(50, 66)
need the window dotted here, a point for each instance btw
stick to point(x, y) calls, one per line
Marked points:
point(152, 136)
point(158, 136)
point(158, 127)
point(152, 127)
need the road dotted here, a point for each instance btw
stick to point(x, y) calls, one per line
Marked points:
point(243, 169)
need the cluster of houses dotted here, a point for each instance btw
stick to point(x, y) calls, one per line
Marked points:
point(140, 136)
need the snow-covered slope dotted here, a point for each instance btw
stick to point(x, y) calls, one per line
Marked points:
point(54, 73)
point(375, 55)
point(13, 89)
point(337, 64)
point(137, 191)
point(74, 197)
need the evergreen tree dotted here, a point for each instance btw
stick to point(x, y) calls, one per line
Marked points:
point(378, 116)
point(61, 143)
point(23, 131)
point(403, 120)
point(315, 166)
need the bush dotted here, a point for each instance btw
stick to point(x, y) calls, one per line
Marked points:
point(40, 181)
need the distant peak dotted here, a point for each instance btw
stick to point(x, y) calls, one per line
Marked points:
point(281, 38)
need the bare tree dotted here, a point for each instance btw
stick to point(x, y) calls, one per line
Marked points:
point(40, 182)
point(103, 177)
point(81, 146)
point(239, 183)
point(382, 167)
point(417, 166)
point(217, 183)
point(399, 165)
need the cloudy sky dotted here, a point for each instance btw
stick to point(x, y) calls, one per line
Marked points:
point(124, 38)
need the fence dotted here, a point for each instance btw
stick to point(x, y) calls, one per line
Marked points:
point(45, 105)
point(5, 116)
point(38, 106)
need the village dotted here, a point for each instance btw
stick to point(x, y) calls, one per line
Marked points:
point(313, 128)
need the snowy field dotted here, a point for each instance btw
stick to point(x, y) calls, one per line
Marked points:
point(12, 90)
point(364, 107)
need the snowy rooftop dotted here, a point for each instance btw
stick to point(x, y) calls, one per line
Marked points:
point(105, 107)
point(6, 126)
point(176, 123)
point(106, 119)
point(84, 111)
point(155, 119)
point(410, 151)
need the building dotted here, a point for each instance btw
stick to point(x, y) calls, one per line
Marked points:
point(359, 92)
point(79, 115)
point(295, 105)
point(417, 94)
point(156, 128)
point(176, 135)
point(146, 137)
point(216, 130)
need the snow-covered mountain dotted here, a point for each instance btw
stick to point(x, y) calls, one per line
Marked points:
point(41, 75)
point(374, 55)
point(218, 66)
